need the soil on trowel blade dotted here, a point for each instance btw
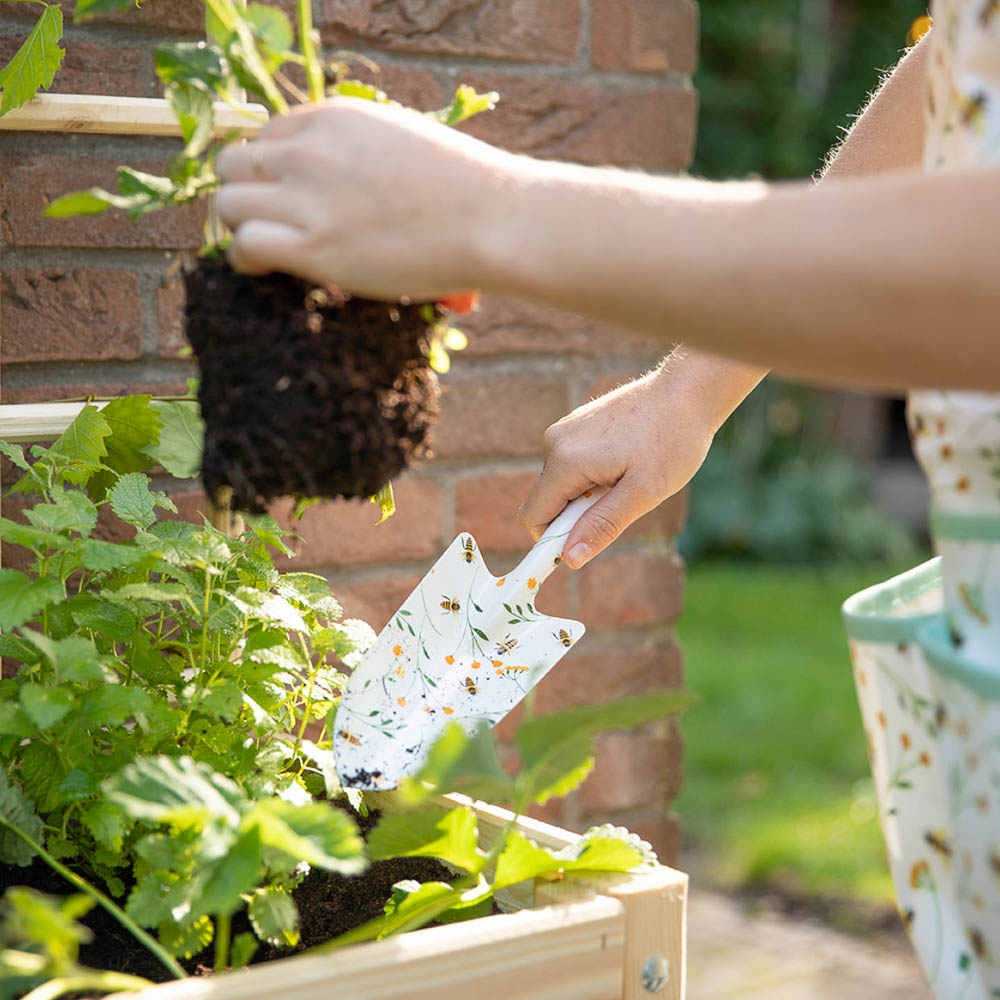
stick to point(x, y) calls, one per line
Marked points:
point(305, 391)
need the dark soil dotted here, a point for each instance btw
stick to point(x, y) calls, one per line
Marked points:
point(305, 391)
point(329, 905)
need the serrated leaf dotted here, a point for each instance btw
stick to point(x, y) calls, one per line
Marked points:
point(192, 105)
point(193, 62)
point(102, 616)
point(150, 592)
point(16, 454)
point(83, 440)
point(41, 772)
point(112, 705)
point(186, 939)
point(21, 598)
point(34, 64)
point(14, 721)
point(520, 860)
point(243, 950)
point(181, 438)
point(449, 835)
point(269, 608)
point(317, 833)
point(69, 511)
point(45, 706)
point(30, 538)
point(75, 658)
point(274, 917)
point(224, 699)
point(175, 790)
point(77, 786)
point(107, 824)
point(155, 897)
point(18, 812)
point(133, 501)
point(311, 590)
point(135, 426)
point(100, 556)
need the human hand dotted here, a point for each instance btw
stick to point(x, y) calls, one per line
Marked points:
point(644, 440)
point(378, 200)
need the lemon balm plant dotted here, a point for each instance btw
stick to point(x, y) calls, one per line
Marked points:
point(304, 390)
point(153, 731)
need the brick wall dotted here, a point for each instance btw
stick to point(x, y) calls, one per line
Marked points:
point(86, 309)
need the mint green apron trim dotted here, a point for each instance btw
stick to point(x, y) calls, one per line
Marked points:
point(935, 639)
point(965, 527)
point(873, 615)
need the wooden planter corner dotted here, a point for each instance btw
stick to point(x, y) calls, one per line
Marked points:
point(585, 938)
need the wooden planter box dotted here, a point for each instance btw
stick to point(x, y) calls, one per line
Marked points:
point(585, 938)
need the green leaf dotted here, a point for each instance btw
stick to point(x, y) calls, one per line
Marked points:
point(459, 763)
point(135, 426)
point(107, 823)
point(175, 790)
point(16, 454)
point(237, 871)
point(34, 64)
point(355, 88)
point(311, 590)
point(269, 608)
point(133, 501)
point(186, 939)
point(45, 706)
point(553, 745)
point(88, 8)
point(74, 658)
point(155, 897)
point(520, 860)
point(102, 616)
point(28, 537)
point(465, 104)
point(40, 773)
point(16, 811)
point(91, 202)
point(386, 501)
point(449, 835)
point(274, 917)
point(224, 699)
point(112, 704)
point(150, 592)
point(193, 107)
point(69, 511)
point(243, 950)
point(83, 440)
point(181, 438)
point(196, 63)
point(318, 833)
point(101, 556)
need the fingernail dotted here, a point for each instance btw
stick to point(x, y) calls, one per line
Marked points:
point(578, 555)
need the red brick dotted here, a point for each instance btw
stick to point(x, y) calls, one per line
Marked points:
point(177, 15)
point(44, 393)
point(90, 69)
point(32, 182)
point(583, 678)
point(170, 337)
point(344, 533)
point(563, 120)
point(415, 88)
point(630, 589)
point(542, 30)
point(375, 601)
point(631, 769)
point(498, 415)
point(648, 36)
point(62, 314)
point(506, 325)
point(486, 506)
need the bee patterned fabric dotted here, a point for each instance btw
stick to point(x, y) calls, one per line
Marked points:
point(926, 645)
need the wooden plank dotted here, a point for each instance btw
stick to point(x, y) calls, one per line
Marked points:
point(121, 116)
point(571, 952)
point(39, 421)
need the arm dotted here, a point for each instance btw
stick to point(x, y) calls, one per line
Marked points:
point(674, 412)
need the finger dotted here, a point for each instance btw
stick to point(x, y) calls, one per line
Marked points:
point(604, 522)
point(250, 162)
point(555, 486)
point(242, 202)
point(260, 246)
point(283, 126)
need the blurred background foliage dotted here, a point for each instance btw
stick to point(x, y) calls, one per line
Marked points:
point(782, 524)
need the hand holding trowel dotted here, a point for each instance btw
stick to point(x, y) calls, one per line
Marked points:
point(465, 647)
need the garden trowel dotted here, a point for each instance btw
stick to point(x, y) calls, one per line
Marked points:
point(465, 647)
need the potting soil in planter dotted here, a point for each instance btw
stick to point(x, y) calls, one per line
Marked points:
point(329, 905)
point(305, 391)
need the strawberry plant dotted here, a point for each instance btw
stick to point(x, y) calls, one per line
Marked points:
point(305, 391)
point(153, 730)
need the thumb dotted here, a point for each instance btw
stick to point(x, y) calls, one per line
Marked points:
point(603, 523)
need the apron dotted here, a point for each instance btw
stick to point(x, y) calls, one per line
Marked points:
point(926, 645)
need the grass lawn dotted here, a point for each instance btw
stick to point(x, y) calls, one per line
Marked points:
point(776, 787)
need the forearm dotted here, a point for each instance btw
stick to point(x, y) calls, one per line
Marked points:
point(850, 283)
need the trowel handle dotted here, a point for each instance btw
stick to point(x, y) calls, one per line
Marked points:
point(547, 551)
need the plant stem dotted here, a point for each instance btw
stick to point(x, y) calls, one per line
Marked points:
point(314, 68)
point(223, 930)
point(116, 911)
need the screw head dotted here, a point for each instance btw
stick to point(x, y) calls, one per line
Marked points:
point(655, 974)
